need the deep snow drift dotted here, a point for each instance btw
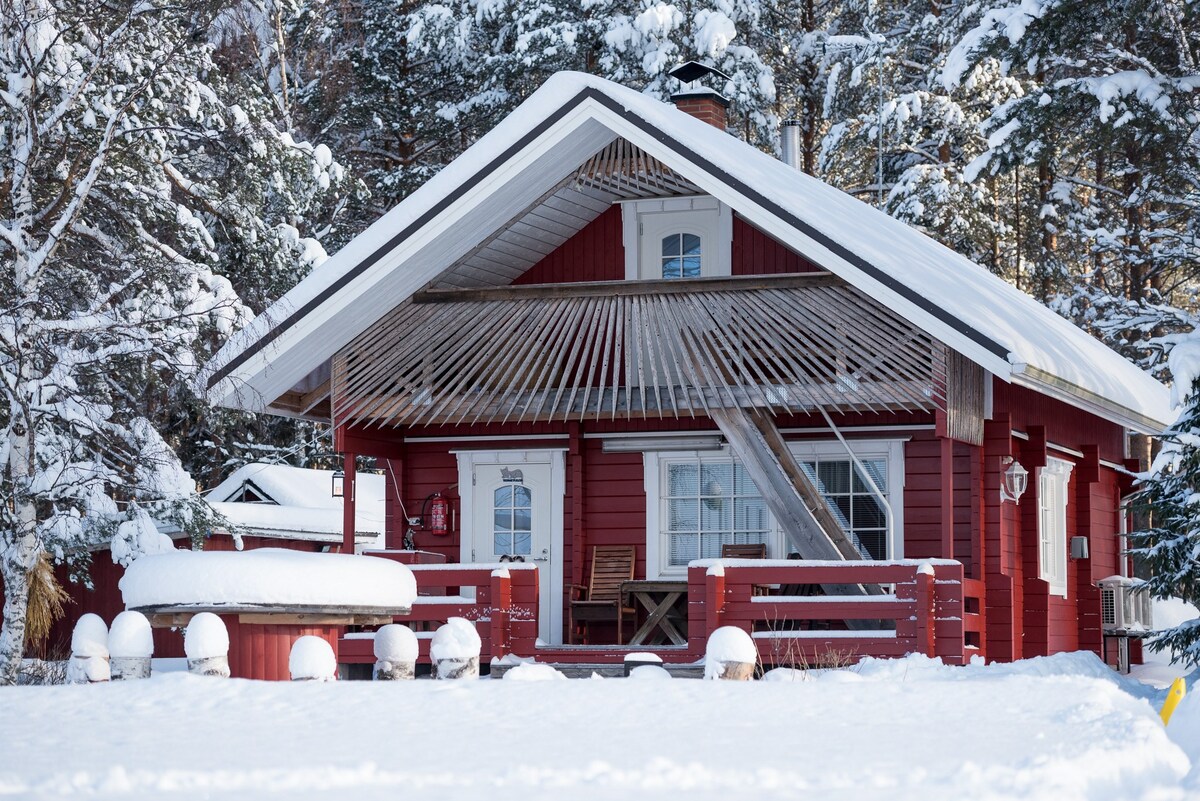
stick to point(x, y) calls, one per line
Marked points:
point(1058, 729)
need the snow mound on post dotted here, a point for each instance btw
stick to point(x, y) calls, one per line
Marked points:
point(90, 637)
point(131, 636)
point(533, 672)
point(312, 658)
point(649, 672)
point(205, 637)
point(395, 643)
point(457, 639)
point(730, 644)
point(267, 577)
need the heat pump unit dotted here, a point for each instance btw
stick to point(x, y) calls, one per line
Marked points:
point(1125, 606)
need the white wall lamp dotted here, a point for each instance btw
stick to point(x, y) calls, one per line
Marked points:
point(1013, 481)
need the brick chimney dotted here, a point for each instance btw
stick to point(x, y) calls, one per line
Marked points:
point(698, 100)
point(703, 104)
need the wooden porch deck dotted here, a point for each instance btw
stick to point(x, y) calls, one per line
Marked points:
point(930, 609)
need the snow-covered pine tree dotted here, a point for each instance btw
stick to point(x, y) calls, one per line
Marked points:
point(884, 67)
point(400, 87)
point(1170, 547)
point(114, 145)
point(1107, 131)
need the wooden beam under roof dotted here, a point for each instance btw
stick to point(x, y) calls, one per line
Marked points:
point(587, 289)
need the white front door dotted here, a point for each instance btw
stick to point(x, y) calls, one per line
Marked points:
point(516, 516)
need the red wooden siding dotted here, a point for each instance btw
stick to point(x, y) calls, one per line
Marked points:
point(755, 253)
point(1065, 425)
point(596, 253)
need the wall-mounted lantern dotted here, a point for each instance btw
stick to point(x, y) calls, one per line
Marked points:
point(1014, 480)
point(339, 484)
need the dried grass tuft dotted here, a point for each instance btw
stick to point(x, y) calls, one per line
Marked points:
point(47, 599)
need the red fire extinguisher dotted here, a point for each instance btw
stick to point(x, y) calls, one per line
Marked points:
point(439, 515)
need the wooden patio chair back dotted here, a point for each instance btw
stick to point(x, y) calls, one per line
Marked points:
point(756, 550)
point(612, 565)
point(600, 600)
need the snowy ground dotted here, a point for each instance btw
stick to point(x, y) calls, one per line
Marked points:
point(1060, 728)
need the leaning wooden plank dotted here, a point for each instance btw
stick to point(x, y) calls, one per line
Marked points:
point(790, 495)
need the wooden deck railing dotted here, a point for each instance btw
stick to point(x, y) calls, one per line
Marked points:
point(931, 609)
point(923, 613)
point(500, 599)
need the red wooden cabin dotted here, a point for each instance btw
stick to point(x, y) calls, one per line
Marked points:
point(611, 322)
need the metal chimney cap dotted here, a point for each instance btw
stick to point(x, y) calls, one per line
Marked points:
point(694, 71)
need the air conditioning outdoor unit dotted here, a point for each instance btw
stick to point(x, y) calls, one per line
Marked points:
point(1125, 606)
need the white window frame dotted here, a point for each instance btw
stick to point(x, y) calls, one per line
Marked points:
point(646, 222)
point(655, 465)
point(890, 450)
point(1053, 498)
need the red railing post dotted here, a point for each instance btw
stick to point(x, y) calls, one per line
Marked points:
point(501, 608)
point(714, 599)
point(926, 622)
point(523, 612)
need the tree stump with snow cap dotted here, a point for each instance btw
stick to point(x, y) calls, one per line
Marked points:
point(395, 653)
point(455, 650)
point(130, 645)
point(730, 655)
point(89, 651)
point(312, 659)
point(206, 644)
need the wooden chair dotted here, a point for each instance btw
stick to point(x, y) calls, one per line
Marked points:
point(754, 550)
point(757, 550)
point(600, 600)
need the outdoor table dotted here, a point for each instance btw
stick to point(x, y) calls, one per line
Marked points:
point(261, 636)
point(665, 603)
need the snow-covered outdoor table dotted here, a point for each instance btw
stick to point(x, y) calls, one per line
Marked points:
point(268, 598)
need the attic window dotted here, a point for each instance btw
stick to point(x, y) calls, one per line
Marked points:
point(681, 255)
point(680, 237)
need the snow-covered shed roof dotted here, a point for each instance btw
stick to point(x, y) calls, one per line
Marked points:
point(298, 503)
point(570, 118)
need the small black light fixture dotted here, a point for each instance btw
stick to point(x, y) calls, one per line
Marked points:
point(1014, 481)
point(339, 484)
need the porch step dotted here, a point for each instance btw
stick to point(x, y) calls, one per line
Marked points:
point(608, 671)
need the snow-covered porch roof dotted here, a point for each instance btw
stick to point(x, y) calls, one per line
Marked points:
point(297, 503)
point(281, 361)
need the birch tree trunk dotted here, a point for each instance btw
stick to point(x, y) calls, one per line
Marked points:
point(19, 558)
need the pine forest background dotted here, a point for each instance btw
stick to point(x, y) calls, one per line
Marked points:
point(169, 170)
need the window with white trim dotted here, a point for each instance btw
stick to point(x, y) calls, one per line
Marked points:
point(853, 501)
point(677, 237)
point(681, 255)
point(1053, 480)
point(709, 503)
point(698, 501)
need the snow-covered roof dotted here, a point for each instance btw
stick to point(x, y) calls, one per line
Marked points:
point(298, 503)
point(571, 117)
point(266, 577)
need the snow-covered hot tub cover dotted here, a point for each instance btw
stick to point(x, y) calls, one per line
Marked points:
point(267, 577)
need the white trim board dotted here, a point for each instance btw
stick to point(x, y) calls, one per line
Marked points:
point(550, 626)
point(891, 449)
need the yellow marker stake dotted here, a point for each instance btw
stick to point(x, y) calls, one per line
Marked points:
point(1174, 696)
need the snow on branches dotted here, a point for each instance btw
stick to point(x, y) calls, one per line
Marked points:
point(129, 180)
